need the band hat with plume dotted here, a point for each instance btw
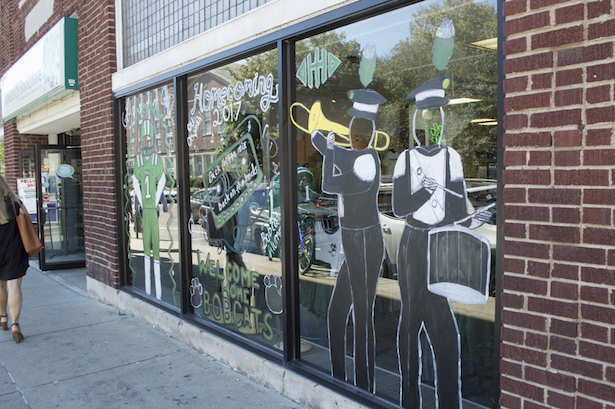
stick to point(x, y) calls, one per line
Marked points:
point(365, 103)
point(431, 94)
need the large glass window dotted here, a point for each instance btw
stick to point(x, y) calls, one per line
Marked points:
point(233, 137)
point(150, 191)
point(397, 157)
point(396, 190)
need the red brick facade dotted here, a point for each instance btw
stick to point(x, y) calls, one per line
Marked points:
point(96, 64)
point(96, 31)
point(558, 334)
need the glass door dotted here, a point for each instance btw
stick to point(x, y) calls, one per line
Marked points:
point(60, 206)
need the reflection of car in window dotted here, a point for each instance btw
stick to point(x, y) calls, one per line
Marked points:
point(199, 201)
point(320, 239)
point(196, 201)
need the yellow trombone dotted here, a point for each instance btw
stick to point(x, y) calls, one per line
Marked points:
point(318, 121)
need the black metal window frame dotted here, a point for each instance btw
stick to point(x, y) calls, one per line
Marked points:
point(284, 41)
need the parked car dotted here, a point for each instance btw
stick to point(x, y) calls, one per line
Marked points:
point(197, 199)
point(319, 238)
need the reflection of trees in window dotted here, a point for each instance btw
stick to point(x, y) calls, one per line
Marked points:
point(332, 93)
point(472, 67)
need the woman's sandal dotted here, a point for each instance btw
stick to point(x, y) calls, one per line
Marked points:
point(4, 320)
point(17, 335)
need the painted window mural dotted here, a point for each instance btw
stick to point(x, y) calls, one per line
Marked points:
point(235, 197)
point(396, 138)
point(151, 194)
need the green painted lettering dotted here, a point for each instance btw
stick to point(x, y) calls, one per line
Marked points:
point(246, 317)
point(211, 267)
point(216, 299)
point(257, 313)
point(219, 272)
point(254, 283)
point(202, 265)
point(226, 306)
point(236, 273)
point(237, 313)
point(268, 332)
point(206, 308)
point(245, 278)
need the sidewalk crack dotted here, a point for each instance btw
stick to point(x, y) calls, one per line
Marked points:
point(14, 384)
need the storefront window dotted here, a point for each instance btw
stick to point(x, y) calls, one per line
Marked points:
point(233, 139)
point(151, 195)
point(397, 145)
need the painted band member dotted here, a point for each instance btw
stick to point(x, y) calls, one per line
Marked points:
point(354, 175)
point(429, 191)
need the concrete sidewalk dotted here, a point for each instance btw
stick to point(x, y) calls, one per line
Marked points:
point(81, 353)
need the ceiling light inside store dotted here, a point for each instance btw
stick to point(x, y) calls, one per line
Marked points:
point(493, 123)
point(456, 101)
point(476, 121)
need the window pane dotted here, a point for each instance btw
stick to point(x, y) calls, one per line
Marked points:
point(151, 194)
point(146, 32)
point(235, 207)
point(397, 140)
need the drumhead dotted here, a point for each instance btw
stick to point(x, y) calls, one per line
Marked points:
point(459, 263)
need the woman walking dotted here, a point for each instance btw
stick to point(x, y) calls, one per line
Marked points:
point(13, 260)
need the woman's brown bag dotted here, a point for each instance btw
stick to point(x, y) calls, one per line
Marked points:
point(29, 236)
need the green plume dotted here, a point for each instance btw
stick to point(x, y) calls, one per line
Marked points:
point(368, 64)
point(443, 45)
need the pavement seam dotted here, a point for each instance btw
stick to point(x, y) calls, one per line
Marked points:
point(97, 372)
point(62, 329)
point(14, 384)
point(66, 283)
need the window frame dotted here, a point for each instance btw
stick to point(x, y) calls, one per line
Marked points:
point(284, 40)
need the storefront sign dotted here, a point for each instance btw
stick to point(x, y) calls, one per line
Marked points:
point(65, 171)
point(26, 190)
point(232, 303)
point(234, 177)
point(48, 68)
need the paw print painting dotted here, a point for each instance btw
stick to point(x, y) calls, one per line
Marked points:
point(196, 292)
point(273, 293)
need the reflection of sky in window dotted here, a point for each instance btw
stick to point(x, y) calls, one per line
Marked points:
point(386, 30)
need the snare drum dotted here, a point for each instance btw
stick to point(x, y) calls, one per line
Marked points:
point(459, 264)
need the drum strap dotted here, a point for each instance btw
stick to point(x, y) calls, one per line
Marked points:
point(408, 172)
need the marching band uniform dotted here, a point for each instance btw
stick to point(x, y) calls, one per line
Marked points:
point(429, 191)
point(356, 184)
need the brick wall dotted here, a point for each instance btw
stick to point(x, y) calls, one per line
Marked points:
point(558, 335)
point(96, 31)
point(96, 64)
